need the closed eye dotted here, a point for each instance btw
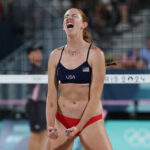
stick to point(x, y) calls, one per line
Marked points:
point(74, 15)
point(66, 16)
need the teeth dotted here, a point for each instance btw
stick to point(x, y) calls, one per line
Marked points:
point(69, 24)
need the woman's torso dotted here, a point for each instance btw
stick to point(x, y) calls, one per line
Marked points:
point(74, 85)
point(74, 99)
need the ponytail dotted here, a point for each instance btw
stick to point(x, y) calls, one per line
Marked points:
point(86, 36)
point(111, 64)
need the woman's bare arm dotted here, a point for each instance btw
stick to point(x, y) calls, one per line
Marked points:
point(52, 96)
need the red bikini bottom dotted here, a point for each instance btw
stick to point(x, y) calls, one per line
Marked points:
point(70, 122)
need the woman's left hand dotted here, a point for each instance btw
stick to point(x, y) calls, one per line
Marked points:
point(71, 132)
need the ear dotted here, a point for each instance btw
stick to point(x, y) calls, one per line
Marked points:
point(85, 24)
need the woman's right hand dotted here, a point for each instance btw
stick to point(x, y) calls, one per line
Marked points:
point(52, 133)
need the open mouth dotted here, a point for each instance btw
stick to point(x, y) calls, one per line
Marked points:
point(70, 26)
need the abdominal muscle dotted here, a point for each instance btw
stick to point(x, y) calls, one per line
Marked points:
point(74, 99)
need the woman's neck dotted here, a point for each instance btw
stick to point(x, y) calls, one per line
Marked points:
point(75, 43)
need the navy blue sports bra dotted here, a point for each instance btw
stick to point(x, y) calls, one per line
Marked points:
point(79, 75)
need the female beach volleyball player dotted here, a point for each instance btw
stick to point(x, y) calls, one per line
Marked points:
point(78, 70)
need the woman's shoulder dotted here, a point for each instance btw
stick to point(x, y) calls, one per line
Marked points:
point(56, 52)
point(55, 55)
point(96, 51)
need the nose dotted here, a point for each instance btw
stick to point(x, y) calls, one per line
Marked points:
point(69, 19)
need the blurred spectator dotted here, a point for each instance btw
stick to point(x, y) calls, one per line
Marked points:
point(123, 9)
point(145, 52)
point(106, 16)
point(36, 104)
point(102, 14)
point(141, 63)
point(129, 60)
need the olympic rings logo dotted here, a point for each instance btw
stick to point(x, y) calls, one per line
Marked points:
point(138, 137)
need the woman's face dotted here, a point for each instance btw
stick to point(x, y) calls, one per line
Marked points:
point(73, 22)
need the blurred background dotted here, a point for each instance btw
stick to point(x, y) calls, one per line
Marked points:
point(121, 28)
